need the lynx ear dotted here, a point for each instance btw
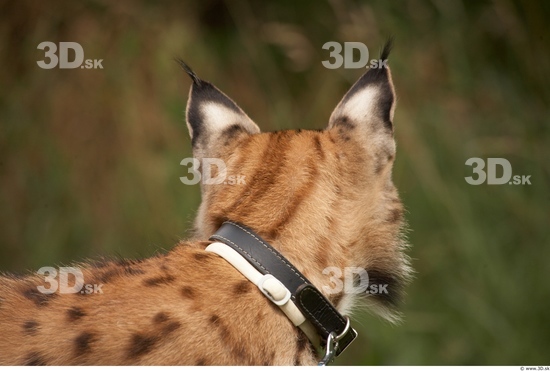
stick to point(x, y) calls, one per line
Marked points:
point(212, 115)
point(367, 108)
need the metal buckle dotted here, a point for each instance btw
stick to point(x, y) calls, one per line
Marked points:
point(332, 344)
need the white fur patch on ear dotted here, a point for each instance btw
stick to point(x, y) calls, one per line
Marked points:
point(216, 117)
point(210, 112)
point(358, 108)
point(369, 104)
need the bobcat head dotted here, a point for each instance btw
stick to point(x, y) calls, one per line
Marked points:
point(324, 198)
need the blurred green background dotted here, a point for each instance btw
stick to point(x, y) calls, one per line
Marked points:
point(89, 159)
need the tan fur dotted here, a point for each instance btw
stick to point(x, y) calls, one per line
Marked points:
point(322, 198)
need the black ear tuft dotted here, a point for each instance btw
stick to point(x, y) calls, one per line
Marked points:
point(387, 49)
point(196, 80)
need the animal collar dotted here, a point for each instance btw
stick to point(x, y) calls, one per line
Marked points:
point(284, 285)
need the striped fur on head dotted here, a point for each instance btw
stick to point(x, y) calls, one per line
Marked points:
point(322, 198)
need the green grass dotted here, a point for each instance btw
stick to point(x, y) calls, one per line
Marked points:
point(89, 159)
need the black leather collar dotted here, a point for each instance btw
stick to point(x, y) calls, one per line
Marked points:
point(311, 302)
